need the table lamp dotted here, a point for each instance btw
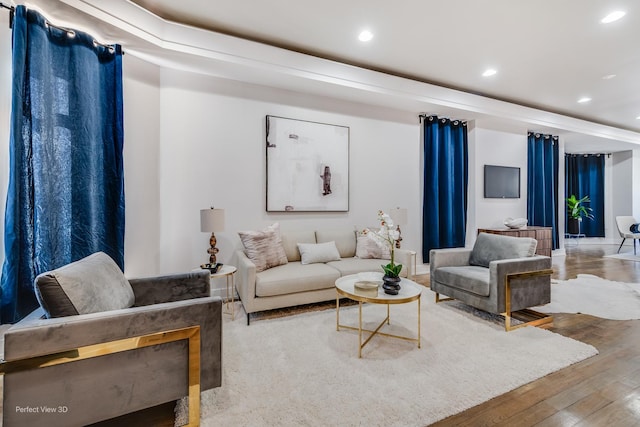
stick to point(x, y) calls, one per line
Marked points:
point(212, 220)
point(399, 216)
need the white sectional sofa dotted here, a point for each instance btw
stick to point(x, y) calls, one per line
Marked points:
point(295, 283)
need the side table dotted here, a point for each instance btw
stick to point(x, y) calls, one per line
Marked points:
point(228, 272)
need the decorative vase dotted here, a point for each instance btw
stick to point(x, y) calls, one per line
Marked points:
point(573, 226)
point(391, 285)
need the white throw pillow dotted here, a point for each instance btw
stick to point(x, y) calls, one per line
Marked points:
point(367, 247)
point(311, 253)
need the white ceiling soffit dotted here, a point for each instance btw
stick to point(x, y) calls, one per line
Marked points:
point(184, 47)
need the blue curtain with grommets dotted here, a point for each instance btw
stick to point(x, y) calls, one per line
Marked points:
point(584, 176)
point(542, 182)
point(65, 198)
point(446, 170)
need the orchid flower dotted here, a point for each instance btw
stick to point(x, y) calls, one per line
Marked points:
point(388, 236)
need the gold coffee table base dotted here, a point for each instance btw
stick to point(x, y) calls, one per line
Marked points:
point(374, 332)
point(410, 291)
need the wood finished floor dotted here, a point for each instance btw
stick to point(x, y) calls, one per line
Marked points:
point(601, 391)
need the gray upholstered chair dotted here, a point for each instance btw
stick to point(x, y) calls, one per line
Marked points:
point(108, 346)
point(500, 275)
point(624, 223)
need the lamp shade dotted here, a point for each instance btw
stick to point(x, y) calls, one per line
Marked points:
point(399, 215)
point(211, 220)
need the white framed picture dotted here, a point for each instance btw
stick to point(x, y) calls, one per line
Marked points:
point(307, 166)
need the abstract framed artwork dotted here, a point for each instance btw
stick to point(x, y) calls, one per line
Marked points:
point(307, 166)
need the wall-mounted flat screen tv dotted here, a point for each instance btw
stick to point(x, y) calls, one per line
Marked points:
point(501, 182)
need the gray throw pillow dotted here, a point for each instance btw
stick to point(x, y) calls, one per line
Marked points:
point(89, 285)
point(494, 247)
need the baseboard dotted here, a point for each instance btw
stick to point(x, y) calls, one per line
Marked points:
point(422, 269)
point(559, 252)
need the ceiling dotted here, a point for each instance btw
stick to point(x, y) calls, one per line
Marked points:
point(547, 53)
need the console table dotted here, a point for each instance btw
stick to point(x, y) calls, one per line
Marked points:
point(541, 234)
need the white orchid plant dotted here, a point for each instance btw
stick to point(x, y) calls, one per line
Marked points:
point(387, 235)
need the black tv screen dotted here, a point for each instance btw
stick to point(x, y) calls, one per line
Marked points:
point(501, 182)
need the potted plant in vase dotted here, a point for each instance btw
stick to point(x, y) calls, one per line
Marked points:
point(575, 212)
point(387, 237)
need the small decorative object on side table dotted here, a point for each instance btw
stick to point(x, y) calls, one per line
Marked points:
point(228, 272)
point(516, 223)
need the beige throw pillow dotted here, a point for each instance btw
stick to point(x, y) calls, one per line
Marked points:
point(367, 247)
point(264, 248)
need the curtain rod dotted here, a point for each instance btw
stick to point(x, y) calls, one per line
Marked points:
point(69, 31)
point(424, 116)
point(587, 154)
point(11, 10)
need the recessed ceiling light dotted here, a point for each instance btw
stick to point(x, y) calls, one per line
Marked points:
point(489, 72)
point(638, 118)
point(365, 36)
point(584, 99)
point(608, 77)
point(613, 16)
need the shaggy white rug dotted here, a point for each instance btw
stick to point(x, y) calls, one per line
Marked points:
point(299, 370)
point(627, 256)
point(593, 295)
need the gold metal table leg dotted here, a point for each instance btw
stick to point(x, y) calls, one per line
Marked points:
point(419, 322)
point(360, 329)
point(337, 313)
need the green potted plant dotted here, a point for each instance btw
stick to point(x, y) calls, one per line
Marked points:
point(576, 211)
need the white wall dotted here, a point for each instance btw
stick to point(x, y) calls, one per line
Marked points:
point(622, 178)
point(490, 147)
point(141, 93)
point(635, 184)
point(212, 152)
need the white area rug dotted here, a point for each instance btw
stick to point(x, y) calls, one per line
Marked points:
point(627, 256)
point(299, 370)
point(592, 295)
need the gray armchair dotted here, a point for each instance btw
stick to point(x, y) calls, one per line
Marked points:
point(500, 275)
point(109, 346)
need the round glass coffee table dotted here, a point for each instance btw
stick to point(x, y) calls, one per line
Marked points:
point(346, 287)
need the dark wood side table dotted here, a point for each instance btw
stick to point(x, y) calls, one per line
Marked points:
point(541, 234)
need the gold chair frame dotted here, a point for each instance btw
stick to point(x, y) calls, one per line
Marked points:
point(192, 334)
point(527, 316)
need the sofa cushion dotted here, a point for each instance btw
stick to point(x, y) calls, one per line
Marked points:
point(290, 240)
point(89, 285)
point(474, 279)
point(311, 253)
point(295, 277)
point(344, 238)
point(494, 247)
point(354, 265)
point(367, 247)
point(264, 248)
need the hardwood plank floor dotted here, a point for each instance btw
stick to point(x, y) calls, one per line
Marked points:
point(601, 391)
